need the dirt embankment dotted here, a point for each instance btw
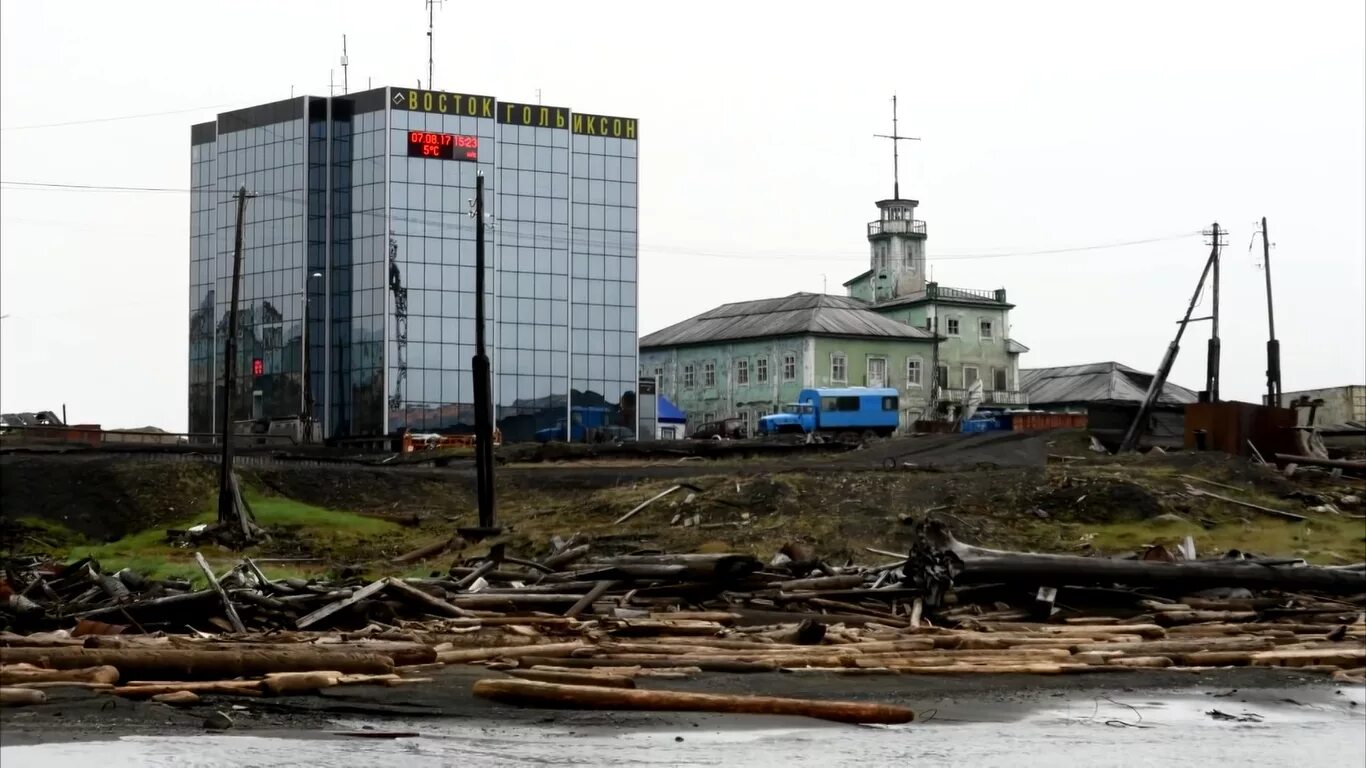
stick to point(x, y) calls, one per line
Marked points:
point(101, 498)
point(995, 492)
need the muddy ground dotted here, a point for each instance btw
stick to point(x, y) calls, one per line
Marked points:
point(72, 714)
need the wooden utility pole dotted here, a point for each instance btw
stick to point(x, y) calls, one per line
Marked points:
point(1212, 358)
point(483, 380)
point(1140, 422)
point(1273, 347)
point(229, 508)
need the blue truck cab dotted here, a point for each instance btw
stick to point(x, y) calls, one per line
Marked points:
point(844, 412)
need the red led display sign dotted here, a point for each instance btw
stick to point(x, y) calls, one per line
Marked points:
point(258, 367)
point(443, 146)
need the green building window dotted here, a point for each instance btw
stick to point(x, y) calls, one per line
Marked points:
point(689, 376)
point(839, 367)
point(709, 374)
point(913, 371)
point(761, 370)
point(789, 367)
point(742, 372)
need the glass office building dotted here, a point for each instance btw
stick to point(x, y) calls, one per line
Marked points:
point(359, 264)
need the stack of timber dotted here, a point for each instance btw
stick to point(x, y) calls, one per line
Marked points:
point(576, 618)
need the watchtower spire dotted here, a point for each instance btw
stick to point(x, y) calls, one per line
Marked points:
point(896, 160)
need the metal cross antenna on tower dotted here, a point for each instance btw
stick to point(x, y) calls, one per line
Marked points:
point(895, 137)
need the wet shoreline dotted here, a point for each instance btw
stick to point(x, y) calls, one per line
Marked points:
point(75, 716)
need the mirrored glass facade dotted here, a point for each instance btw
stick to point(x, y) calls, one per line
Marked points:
point(359, 264)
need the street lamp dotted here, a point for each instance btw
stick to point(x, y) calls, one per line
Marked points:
point(304, 409)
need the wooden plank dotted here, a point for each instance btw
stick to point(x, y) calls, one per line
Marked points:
point(432, 603)
point(327, 610)
point(645, 504)
point(233, 618)
point(593, 594)
point(1192, 490)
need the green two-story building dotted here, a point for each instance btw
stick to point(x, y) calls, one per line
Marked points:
point(894, 328)
point(748, 359)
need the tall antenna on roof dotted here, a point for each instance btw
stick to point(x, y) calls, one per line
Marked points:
point(895, 137)
point(344, 62)
point(431, 28)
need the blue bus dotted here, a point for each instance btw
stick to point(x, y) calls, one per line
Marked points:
point(848, 413)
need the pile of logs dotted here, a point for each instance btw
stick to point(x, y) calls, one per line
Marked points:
point(585, 629)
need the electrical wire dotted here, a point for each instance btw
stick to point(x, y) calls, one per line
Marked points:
point(109, 119)
point(296, 197)
point(94, 187)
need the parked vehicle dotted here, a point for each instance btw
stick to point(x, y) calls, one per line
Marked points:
point(725, 429)
point(845, 413)
point(607, 433)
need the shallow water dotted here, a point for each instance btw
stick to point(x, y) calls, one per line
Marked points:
point(1133, 729)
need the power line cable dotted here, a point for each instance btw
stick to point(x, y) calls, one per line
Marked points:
point(297, 197)
point(109, 119)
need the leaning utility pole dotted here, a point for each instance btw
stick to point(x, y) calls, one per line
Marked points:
point(230, 510)
point(483, 380)
point(1273, 347)
point(1212, 357)
point(1135, 431)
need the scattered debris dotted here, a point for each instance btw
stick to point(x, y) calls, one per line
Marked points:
point(1246, 717)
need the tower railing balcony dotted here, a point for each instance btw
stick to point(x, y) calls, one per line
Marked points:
point(896, 227)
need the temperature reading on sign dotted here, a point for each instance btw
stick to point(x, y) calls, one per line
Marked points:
point(443, 146)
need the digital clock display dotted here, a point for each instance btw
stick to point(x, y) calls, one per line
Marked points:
point(443, 146)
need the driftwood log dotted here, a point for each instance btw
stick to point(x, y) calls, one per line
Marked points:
point(528, 692)
point(21, 697)
point(200, 665)
point(16, 674)
point(573, 678)
point(938, 559)
point(719, 567)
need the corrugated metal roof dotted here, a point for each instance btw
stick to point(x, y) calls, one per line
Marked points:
point(796, 315)
point(1097, 381)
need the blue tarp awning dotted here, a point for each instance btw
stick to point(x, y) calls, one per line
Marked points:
point(668, 412)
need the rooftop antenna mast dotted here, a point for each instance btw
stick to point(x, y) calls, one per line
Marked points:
point(431, 27)
point(345, 62)
point(896, 160)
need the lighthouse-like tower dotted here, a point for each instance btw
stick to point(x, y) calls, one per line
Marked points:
point(896, 240)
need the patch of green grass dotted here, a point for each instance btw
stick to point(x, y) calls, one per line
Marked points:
point(50, 534)
point(1323, 540)
point(149, 553)
point(279, 511)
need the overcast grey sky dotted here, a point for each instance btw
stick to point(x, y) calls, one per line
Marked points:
point(1046, 126)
